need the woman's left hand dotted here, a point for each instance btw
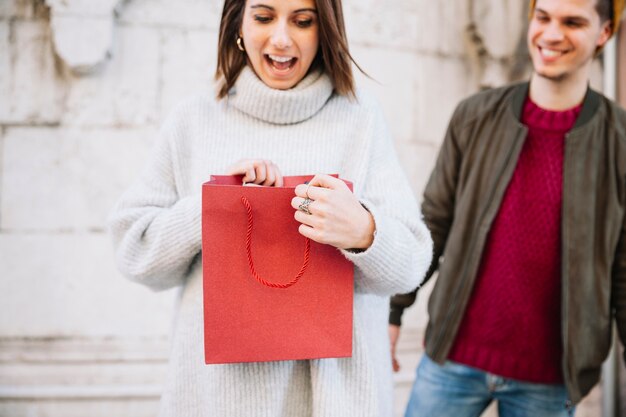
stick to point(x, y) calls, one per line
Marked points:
point(336, 217)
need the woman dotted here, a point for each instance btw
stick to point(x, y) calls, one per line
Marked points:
point(286, 98)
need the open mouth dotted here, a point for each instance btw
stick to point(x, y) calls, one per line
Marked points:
point(280, 63)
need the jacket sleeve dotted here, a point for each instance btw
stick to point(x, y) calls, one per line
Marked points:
point(402, 248)
point(437, 208)
point(156, 232)
point(619, 286)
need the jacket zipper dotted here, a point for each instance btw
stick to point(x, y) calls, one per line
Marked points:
point(564, 280)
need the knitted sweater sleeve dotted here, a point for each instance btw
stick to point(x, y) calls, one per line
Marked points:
point(156, 231)
point(401, 251)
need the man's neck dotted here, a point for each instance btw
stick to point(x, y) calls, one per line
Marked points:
point(557, 95)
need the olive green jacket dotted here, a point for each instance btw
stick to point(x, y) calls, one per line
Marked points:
point(463, 196)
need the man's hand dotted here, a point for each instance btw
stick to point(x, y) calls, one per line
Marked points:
point(394, 334)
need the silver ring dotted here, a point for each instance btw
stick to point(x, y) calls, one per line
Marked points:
point(304, 206)
point(306, 193)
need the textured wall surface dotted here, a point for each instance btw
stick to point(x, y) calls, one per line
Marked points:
point(84, 86)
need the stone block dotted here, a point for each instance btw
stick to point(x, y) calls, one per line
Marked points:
point(501, 25)
point(5, 69)
point(32, 87)
point(119, 407)
point(125, 92)
point(181, 14)
point(8, 8)
point(189, 59)
point(83, 7)
point(442, 27)
point(22, 9)
point(417, 160)
point(451, 24)
point(63, 285)
point(67, 179)
point(494, 73)
point(1, 170)
point(83, 32)
point(82, 42)
point(596, 79)
point(376, 23)
point(442, 83)
point(79, 369)
point(393, 81)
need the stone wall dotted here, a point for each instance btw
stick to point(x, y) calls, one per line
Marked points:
point(84, 86)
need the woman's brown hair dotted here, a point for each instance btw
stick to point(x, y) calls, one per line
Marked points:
point(333, 56)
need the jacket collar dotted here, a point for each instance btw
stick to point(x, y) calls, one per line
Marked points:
point(591, 102)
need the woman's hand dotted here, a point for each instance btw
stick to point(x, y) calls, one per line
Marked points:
point(257, 171)
point(335, 217)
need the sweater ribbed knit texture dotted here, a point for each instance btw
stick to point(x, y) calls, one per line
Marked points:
point(512, 325)
point(156, 228)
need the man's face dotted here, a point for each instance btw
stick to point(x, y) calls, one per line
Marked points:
point(563, 36)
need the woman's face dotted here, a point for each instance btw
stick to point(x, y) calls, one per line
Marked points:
point(281, 39)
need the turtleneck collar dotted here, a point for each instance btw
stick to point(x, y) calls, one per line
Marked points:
point(253, 97)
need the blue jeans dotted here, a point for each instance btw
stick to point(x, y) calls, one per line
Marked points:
point(455, 390)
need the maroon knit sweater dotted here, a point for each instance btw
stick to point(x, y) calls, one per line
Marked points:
point(512, 323)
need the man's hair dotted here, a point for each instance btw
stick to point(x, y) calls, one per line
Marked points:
point(605, 10)
point(610, 10)
point(332, 56)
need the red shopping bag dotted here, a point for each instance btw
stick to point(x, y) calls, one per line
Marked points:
point(269, 293)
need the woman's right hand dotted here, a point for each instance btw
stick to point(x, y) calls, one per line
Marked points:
point(257, 171)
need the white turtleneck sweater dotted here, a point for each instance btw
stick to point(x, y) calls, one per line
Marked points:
point(156, 228)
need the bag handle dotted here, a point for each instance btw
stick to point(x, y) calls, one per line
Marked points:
point(305, 263)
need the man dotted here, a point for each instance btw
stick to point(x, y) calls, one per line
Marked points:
point(526, 206)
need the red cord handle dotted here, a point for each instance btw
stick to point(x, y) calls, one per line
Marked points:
point(305, 263)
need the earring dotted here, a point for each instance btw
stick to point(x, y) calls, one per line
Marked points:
point(240, 44)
